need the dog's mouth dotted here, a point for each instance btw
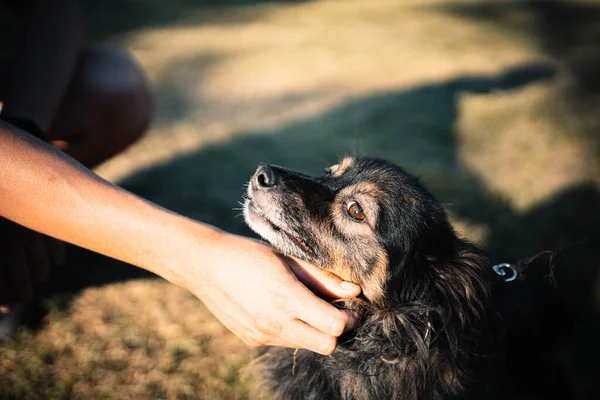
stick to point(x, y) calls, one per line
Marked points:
point(276, 233)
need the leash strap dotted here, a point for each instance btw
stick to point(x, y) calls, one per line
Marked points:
point(508, 272)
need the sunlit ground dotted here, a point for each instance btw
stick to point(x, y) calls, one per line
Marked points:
point(481, 100)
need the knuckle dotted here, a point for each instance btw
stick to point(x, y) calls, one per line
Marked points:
point(258, 339)
point(328, 347)
point(261, 329)
point(250, 342)
point(328, 275)
point(337, 327)
point(270, 328)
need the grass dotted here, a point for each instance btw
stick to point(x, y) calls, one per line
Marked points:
point(494, 113)
point(110, 343)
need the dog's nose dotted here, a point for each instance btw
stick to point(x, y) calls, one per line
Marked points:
point(265, 177)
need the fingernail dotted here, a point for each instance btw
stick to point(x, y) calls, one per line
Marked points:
point(348, 285)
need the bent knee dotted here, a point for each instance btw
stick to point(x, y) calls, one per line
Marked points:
point(118, 95)
point(109, 71)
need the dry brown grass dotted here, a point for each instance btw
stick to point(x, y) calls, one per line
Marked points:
point(135, 340)
point(303, 83)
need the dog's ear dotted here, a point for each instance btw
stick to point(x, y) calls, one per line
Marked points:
point(439, 299)
point(429, 331)
point(462, 283)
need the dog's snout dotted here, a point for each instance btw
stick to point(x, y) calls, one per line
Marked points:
point(265, 177)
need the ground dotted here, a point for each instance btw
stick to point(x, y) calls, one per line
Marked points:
point(491, 103)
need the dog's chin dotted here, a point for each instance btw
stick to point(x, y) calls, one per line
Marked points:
point(281, 237)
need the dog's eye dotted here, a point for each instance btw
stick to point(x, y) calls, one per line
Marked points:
point(355, 211)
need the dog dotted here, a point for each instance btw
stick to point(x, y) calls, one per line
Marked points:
point(426, 327)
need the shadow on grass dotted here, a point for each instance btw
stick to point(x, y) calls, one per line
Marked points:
point(567, 31)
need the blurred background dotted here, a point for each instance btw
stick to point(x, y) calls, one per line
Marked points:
point(495, 105)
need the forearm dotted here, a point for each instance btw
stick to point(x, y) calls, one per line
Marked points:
point(48, 192)
point(248, 287)
point(51, 40)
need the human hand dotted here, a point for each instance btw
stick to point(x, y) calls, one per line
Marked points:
point(256, 294)
point(25, 261)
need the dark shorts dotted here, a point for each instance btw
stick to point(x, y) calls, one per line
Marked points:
point(8, 33)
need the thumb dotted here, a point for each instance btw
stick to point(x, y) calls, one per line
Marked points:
point(322, 282)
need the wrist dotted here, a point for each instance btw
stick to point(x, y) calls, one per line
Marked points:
point(196, 249)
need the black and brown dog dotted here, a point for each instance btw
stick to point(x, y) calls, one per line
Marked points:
point(428, 327)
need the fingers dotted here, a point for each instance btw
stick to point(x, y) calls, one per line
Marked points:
point(320, 314)
point(315, 312)
point(322, 282)
point(315, 328)
point(328, 319)
point(297, 335)
point(304, 336)
point(265, 304)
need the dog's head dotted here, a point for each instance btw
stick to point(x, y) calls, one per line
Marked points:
point(369, 222)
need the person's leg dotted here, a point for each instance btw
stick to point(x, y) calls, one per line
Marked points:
point(91, 103)
point(107, 107)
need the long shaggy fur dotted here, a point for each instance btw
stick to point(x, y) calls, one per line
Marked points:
point(431, 346)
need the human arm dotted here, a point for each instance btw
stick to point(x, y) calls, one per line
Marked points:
point(249, 288)
point(48, 43)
